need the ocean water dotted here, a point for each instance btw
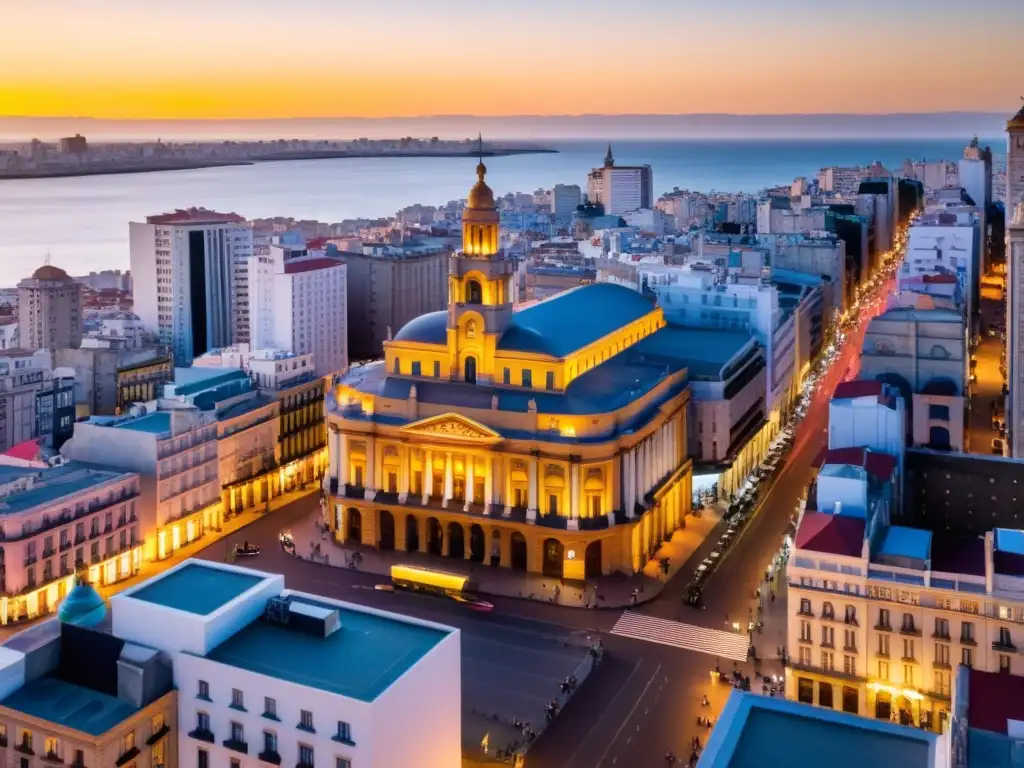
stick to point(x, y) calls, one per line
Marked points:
point(82, 223)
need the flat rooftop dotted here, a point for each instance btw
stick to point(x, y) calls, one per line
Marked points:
point(753, 724)
point(154, 423)
point(69, 705)
point(196, 588)
point(359, 661)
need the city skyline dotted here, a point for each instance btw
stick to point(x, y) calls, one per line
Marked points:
point(459, 57)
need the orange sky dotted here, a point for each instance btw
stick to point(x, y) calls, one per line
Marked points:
point(334, 58)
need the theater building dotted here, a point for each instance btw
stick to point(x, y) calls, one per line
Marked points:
point(552, 439)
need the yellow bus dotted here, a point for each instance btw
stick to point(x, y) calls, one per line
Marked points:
point(454, 586)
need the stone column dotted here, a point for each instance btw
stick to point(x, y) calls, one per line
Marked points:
point(641, 472)
point(404, 473)
point(467, 542)
point(428, 476)
point(628, 483)
point(531, 511)
point(488, 486)
point(342, 451)
point(449, 481)
point(574, 495)
point(334, 453)
point(507, 471)
point(371, 469)
point(470, 479)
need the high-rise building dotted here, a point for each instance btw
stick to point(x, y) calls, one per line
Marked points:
point(975, 173)
point(564, 200)
point(49, 310)
point(620, 188)
point(190, 279)
point(299, 305)
point(1015, 282)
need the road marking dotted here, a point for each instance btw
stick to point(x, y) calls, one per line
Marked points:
point(639, 626)
point(630, 715)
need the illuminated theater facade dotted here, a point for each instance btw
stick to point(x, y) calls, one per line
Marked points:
point(550, 440)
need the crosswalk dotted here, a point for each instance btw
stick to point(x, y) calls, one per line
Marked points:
point(726, 645)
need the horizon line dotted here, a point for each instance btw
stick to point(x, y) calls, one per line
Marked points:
point(469, 116)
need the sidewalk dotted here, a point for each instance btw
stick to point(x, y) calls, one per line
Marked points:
point(312, 542)
point(231, 526)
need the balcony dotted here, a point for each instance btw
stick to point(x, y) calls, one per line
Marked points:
point(53, 758)
point(883, 627)
point(967, 640)
point(127, 757)
point(1006, 647)
point(270, 757)
point(940, 636)
point(25, 748)
point(806, 612)
point(909, 630)
point(158, 734)
point(237, 745)
point(202, 734)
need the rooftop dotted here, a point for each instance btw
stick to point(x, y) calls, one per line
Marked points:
point(52, 483)
point(879, 465)
point(311, 265)
point(993, 699)
point(155, 423)
point(191, 381)
point(704, 351)
point(69, 705)
point(857, 388)
point(195, 216)
point(747, 735)
point(903, 542)
point(196, 588)
point(360, 660)
point(831, 534)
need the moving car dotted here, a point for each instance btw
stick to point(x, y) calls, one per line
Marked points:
point(246, 550)
point(454, 586)
point(997, 446)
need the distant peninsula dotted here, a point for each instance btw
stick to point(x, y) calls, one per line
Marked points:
point(76, 156)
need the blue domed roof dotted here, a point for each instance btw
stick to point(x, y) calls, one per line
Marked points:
point(573, 319)
point(431, 328)
point(83, 606)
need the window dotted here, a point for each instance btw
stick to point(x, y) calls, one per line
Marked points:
point(942, 628)
point(1004, 638)
point(805, 656)
point(157, 724)
point(202, 721)
point(805, 606)
point(344, 734)
point(851, 615)
point(908, 623)
point(805, 631)
point(204, 690)
point(967, 657)
point(236, 699)
point(269, 708)
point(305, 755)
point(828, 636)
point(527, 377)
point(883, 671)
point(942, 682)
point(827, 661)
point(1004, 663)
point(549, 381)
point(306, 720)
point(908, 675)
point(850, 665)
point(883, 645)
point(827, 611)
point(269, 742)
point(850, 640)
point(128, 742)
point(342, 762)
point(234, 763)
point(506, 376)
point(851, 700)
point(967, 632)
point(908, 649)
point(52, 747)
point(25, 739)
point(437, 369)
point(940, 412)
point(942, 654)
point(416, 368)
point(397, 368)
point(202, 759)
point(805, 690)
point(883, 619)
point(158, 760)
point(237, 732)
point(825, 695)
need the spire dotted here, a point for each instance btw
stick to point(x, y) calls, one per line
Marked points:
point(609, 161)
point(481, 169)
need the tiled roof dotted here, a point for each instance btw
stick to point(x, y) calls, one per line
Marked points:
point(831, 534)
point(879, 465)
point(993, 699)
point(310, 265)
point(857, 388)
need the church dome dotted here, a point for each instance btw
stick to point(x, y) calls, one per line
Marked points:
point(431, 328)
point(481, 198)
point(50, 272)
point(83, 606)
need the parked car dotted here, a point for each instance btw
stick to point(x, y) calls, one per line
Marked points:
point(997, 446)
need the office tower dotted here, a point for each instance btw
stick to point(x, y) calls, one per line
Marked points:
point(564, 200)
point(190, 275)
point(49, 310)
point(620, 188)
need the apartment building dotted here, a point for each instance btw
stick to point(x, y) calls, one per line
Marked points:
point(55, 518)
point(620, 188)
point(173, 449)
point(24, 376)
point(190, 279)
point(49, 310)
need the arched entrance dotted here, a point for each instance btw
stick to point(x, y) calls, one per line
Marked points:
point(592, 560)
point(518, 551)
point(495, 546)
point(906, 710)
point(456, 541)
point(938, 438)
point(354, 526)
point(386, 531)
point(412, 534)
point(477, 544)
point(434, 536)
point(474, 294)
point(554, 555)
point(470, 370)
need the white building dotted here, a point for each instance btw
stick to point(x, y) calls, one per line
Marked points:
point(1015, 328)
point(23, 375)
point(300, 305)
point(868, 414)
point(975, 174)
point(619, 188)
point(295, 679)
point(946, 240)
point(842, 181)
point(190, 279)
point(174, 451)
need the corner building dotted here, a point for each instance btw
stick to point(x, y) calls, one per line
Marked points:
point(548, 440)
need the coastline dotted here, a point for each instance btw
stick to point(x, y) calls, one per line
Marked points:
point(280, 157)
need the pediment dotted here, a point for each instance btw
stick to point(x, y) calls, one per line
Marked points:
point(452, 426)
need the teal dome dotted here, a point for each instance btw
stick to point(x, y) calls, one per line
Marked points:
point(83, 606)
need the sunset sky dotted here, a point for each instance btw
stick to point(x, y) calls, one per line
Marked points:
point(337, 58)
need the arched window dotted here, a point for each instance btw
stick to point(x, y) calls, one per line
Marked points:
point(470, 370)
point(474, 293)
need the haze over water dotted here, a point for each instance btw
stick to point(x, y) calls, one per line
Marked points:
point(83, 222)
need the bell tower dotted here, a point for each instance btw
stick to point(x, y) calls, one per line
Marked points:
point(480, 285)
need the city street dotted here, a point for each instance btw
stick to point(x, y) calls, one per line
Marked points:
point(987, 389)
